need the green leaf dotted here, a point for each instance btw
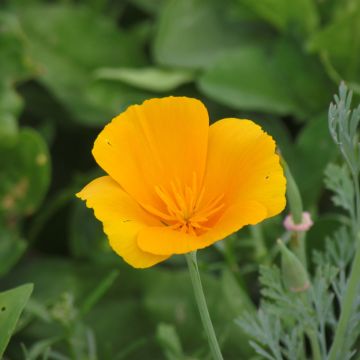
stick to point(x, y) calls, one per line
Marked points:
point(98, 292)
point(86, 236)
point(149, 78)
point(310, 161)
point(238, 300)
point(15, 64)
point(56, 278)
point(195, 33)
point(339, 42)
point(303, 77)
point(338, 180)
point(12, 246)
point(10, 107)
point(66, 67)
point(257, 78)
point(40, 348)
point(151, 7)
point(170, 342)
point(25, 175)
point(245, 79)
point(12, 303)
point(176, 305)
point(299, 16)
point(324, 226)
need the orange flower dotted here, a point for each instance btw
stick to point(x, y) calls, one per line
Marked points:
point(175, 184)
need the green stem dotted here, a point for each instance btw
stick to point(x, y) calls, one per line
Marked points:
point(316, 353)
point(347, 308)
point(201, 302)
point(356, 226)
point(311, 333)
point(299, 246)
point(352, 286)
point(259, 244)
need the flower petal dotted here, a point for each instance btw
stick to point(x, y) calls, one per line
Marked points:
point(152, 144)
point(122, 219)
point(243, 164)
point(163, 240)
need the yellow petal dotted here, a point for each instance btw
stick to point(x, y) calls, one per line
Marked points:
point(242, 164)
point(165, 241)
point(122, 219)
point(153, 144)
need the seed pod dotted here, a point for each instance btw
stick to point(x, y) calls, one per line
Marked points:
point(293, 272)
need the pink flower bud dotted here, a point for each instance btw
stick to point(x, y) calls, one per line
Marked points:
point(305, 224)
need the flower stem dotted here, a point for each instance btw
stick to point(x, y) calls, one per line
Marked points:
point(352, 285)
point(347, 308)
point(299, 246)
point(316, 353)
point(201, 302)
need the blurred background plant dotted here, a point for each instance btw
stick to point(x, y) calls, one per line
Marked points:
point(66, 68)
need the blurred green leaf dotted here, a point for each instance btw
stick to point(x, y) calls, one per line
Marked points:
point(313, 152)
point(12, 303)
point(152, 7)
point(236, 296)
point(255, 78)
point(86, 236)
point(66, 67)
point(324, 226)
point(304, 78)
point(40, 348)
point(15, 64)
point(55, 278)
point(339, 42)
point(245, 79)
point(10, 106)
point(25, 174)
point(149, 78)
point(195, 33)
point(169, 298)
point(339, 181)
point(12, 246)
point(92, 298)
point(299, 16)
point(169, 340)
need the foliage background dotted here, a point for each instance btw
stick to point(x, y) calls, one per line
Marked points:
point(66, 68)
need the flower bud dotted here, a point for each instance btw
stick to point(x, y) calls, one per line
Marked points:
point(293, 272)
point(303, 226)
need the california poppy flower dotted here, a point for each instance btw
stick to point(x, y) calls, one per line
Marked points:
point(176, 184)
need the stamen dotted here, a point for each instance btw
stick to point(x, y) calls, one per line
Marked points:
point(185, 208)
point(211, 211)
point(170, 204)
point(180, 199)
point(157, 212)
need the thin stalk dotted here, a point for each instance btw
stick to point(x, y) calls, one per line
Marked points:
point(357, 200)
point(301, 247)
point(347, 308)
point(201, 303)
point(316, 353)
point(352, 286)
point(259, 243)
point(311, 334)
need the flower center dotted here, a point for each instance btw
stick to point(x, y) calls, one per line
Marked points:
point(184, 207)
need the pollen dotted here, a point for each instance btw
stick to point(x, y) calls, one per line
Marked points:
point(184, 208)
